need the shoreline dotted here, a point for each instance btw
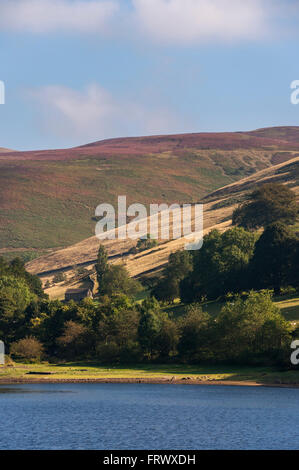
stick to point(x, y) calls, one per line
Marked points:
point(157, 381)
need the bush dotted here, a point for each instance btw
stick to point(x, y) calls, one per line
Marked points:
point(29, 349)
point(146, 243)
point(59, 277)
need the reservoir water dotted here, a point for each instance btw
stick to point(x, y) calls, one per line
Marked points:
point(145, 416)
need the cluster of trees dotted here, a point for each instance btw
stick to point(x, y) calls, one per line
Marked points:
point(18, 290)
point(241, 258)
point(118, 330)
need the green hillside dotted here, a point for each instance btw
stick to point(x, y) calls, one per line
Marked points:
point(48, 199)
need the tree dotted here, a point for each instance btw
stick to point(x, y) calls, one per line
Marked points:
point(15, 297)
point(50, 324)
point(89, 313)
point(117, 333)
point(195, 335)
point(151, 318)
point(220, 266)
point(167, 289)
point(101, 265)
point(272, 202)
point(75, 340)
point(16, 269)
point(274, 262)
point(168, 338)
point(116, 280)
point(178, 267)
point(252, 330)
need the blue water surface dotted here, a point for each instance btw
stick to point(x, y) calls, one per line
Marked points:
point(145, 416)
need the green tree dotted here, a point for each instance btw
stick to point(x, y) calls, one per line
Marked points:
point(252, 330)
point(116, 280)
point(221, 266)
point(50, 323)
point(178, 267)
point(274, 262)
point(15, 297)
point(102, 265)
point(75, 342)
point(151, 317)
point(16, 269)
point(196, 329)
point(272, 202)
point(167, 338)
point(118, 336)
point(89, 313)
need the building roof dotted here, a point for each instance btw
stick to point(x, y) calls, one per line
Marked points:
point(77, 291)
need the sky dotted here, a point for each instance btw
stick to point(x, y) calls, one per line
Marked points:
point(78, 71)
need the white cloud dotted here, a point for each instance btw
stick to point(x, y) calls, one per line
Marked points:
point(95, 114)
point(44, 16)
point(187, 21)
point(163, 21)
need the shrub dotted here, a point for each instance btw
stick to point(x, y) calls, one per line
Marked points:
point(59, 277)
point(28, 348)
point(146, 243)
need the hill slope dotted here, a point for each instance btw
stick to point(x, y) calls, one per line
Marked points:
point(218, 208)
point(48, 198)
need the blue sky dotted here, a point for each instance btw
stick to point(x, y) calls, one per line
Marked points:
point(77, 71)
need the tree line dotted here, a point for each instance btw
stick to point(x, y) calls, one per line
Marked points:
point(116, 329)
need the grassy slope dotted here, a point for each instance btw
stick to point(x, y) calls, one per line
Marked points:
point(288, 304)
point(217, 214)
point(51, 204)
point(93, 371)
point(47, 199)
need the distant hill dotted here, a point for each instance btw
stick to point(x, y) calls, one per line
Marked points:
point(218, 208)
point(48, 198)
point(286, 133)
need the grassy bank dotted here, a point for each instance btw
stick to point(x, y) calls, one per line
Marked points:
point(288, 304)
point(81, 371)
